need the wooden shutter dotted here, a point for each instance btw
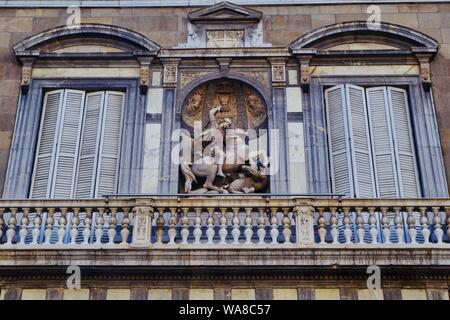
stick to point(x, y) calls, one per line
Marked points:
point(338, 140)
point(90, 138)
point(403, 143)
point(46, 150)
point(358, 126)
point(68, 142)
point(382, 142)
point(110, 143)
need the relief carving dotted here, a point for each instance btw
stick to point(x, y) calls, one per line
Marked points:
point(278, 73)
point(187, 77)
point(224, 38)
point(223, 162)
point(170, 74)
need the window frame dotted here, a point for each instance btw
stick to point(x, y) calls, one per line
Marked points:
point(27, 125)
point(433, 182)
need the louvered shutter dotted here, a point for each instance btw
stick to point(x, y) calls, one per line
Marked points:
point(358, 127)
point(341, 172)
point(46, 150)
point(68, 142)
point(382, 147)
point(403, 143)
point(110, 143)
point(90, 138)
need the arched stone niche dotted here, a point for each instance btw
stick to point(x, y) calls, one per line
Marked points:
point(246, 109)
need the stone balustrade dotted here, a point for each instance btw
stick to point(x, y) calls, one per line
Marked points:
point(199, 221)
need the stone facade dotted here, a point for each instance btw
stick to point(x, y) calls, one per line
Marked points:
point(169, 67)
point(168, 27)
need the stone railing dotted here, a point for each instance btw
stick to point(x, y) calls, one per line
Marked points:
point(251, 220)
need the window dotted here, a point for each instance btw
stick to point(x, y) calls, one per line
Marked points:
point(370, 142)
point(79, 142)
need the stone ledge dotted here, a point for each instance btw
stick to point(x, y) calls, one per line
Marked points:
point(250, 256)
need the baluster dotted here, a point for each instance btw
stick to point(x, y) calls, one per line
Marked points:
point(223, 225)
point(197, 225)
point(125, 231)
point(248, 225)
point(75, 223)
point(261, 225)
point(347, 225)
point(159, 226)
point(99, 227)
point(12, 221)
point(23, 226)
point(334, 225)
point(49, 225)
point(37, 226)
point(424, 224)
point(274, 232)
point(286, 226)
point(210, 221)
point(360, 224)
point(62, 226)
point(112, 226)
point(373, 225)
point(411, 225)
point(438, 233)
point(236, 222)
point(2, 221)
point(87, 225)
point(184, 226)
point(322, 229)
point(398, 220)
point(447, 221)
point(172, 225)
point(386, 227)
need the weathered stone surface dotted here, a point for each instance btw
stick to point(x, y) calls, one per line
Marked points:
point(201, 294)
point(180, 293)
point(327, 294)
point(54, 294)
point(118, 294)
point(414, 294)
point(285, 294)
point(76, 294)
point(139, 294)
point(222, 294)
point(263, 294)
point(437, 294)
point(97, 294)
point(242, 294)
point(392, 294)
point(160, 294)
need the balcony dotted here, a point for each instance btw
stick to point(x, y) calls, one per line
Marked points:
point(232, 221)
point(167, 233)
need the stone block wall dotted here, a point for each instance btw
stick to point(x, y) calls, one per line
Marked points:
point(168, 27)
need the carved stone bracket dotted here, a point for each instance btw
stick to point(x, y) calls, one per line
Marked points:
point(224, 65)
point(142, 229)
point(424, 57)
point(304, 216)
point(144, 73)
point(305, 70)
point(170, 72)
point(27, 65)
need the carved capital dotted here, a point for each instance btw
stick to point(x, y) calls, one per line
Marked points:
point(142, 228)
point(27, 68)
point(305, 70)
point(424, 57)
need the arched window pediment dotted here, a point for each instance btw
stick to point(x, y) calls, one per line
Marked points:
point(381, 43)
point(86, 41)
